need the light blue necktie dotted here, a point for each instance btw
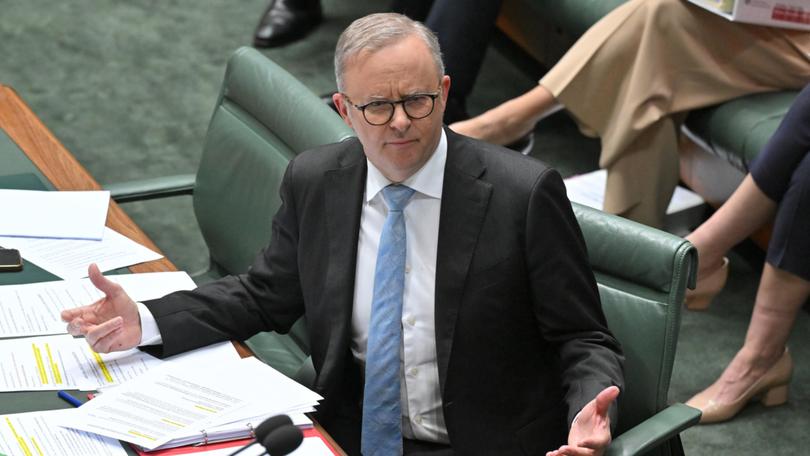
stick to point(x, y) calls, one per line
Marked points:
point(382, 414)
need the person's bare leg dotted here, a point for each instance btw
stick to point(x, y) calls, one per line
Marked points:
point(508, 122)
point(780, 296)
point(746, 210)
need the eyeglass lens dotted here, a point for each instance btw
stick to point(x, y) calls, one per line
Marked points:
point(416, 107)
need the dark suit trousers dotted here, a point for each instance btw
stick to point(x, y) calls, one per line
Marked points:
point(464, 30)
point(782, 171)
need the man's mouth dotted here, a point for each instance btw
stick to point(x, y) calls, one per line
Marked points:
point(400, 142)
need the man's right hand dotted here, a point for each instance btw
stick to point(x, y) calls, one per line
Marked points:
point(110, 324)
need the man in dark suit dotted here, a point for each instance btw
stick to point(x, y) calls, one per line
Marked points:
point(501, 346)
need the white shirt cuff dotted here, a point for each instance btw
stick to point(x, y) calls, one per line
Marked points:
point(150, 334)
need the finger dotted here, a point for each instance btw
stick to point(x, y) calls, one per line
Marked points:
point(105, 285)
point(97, 332)
point(595, 443)
point(569, 450)
point(605, 398)
point(76, 327)
point(86, 313)
point(108, 343)
point(69, 315)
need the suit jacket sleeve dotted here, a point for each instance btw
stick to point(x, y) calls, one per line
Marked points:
point(267, 297)
point(567, 307)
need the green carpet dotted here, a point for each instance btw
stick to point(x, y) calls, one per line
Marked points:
point(128, 87)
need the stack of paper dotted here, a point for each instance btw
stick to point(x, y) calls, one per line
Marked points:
point(175, 405)
point(66, 233)
point(61, 215)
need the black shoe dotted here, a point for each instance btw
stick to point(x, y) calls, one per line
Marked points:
point(287, 20)
point(524, 144)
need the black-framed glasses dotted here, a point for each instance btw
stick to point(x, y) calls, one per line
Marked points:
point(380, 112)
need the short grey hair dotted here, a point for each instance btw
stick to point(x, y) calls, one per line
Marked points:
point(376, 31)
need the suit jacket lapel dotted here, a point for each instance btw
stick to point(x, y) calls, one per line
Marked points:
point(465, 199)
point(344, 188)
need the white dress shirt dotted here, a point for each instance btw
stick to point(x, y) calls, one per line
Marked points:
point(422, 415)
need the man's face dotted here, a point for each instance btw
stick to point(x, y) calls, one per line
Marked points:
point(400, 147)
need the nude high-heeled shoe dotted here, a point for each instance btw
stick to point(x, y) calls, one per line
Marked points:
point(707, 288)
point(771, 389)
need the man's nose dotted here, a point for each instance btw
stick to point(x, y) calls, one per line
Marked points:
point(400, 120)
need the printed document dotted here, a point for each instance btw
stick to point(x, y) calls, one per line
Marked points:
point(63, 362)
point(34, 309)
point(36, 433)
point(272, 393)
point(63, 215)
point(150, 409)
point(69, 258)
point(229, 392)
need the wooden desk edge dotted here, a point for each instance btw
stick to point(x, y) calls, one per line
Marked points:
point(63, 169)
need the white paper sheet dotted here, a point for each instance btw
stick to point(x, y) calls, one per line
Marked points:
point(589, 190)
point(35, 433)
point(34, 309)
point(64, 215)
point(109, 369)
point(240, 387)
point(275, 393)
point(63, 362)
point(69, 258)
point(53, 363)
point(147, 411)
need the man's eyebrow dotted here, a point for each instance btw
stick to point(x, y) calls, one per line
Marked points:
point(408, 94)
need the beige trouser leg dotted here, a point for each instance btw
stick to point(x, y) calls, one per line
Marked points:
point(641, 181)
point(650, 59)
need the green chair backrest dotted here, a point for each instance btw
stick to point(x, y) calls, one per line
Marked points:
point(264, 116)
point(574, 17)
point(642, 274)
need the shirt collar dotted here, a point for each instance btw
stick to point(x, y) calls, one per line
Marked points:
point(428, 180)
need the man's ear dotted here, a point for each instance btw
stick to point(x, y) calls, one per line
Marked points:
point(342, 106)
point(445, 84)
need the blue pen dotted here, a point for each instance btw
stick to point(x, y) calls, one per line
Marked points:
point(69, 399)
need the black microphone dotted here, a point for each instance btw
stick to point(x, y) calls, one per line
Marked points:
point(269, 425)
point(283, 440)
point(264, 429)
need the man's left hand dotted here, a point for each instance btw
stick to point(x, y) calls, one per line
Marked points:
point(590, 431)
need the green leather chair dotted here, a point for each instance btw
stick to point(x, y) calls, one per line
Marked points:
point(642, 274)
point(263, 117)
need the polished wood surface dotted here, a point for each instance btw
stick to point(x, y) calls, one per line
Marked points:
point(62, 169)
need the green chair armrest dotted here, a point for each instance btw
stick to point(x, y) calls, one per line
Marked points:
point(655, 430)
point(146, 189)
